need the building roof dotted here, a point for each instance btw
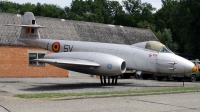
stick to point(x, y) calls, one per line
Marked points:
point(73, 30)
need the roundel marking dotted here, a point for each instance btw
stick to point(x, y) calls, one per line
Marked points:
point(56, 46)
point(109, 66)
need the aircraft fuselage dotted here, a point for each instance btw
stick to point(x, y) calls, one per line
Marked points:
point(136, 58)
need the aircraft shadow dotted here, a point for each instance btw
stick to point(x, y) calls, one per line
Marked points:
point(55, 87)
point(78, 86)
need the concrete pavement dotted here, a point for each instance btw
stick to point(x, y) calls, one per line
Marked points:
point(178, 102)
point(181, 102)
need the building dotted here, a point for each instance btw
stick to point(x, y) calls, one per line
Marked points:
point(16, 57)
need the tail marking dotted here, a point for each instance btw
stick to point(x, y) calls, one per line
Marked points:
point(30, 28)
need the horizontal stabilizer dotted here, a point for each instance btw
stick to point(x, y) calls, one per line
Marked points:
point(28, 26)
point(69, 61)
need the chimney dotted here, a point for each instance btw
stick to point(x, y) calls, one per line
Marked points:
point(148, 27)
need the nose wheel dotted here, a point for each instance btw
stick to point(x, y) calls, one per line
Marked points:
point(193, 78)
point(104, 78)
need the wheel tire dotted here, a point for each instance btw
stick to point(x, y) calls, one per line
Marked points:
point(193, 78)
point(137, 76)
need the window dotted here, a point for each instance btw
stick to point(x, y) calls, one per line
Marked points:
point(32, 56)
point(165, 50)
point(40, 56)
point(36, 55)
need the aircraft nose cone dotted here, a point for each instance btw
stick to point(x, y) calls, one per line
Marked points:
point(190, 67)
point(194, 69)
point(184, 66)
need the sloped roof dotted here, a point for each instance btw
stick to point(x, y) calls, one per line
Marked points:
point(73, 30)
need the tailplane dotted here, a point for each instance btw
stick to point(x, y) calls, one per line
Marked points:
point(29, 27)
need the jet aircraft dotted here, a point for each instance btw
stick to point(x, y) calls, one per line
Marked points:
point(104, 59)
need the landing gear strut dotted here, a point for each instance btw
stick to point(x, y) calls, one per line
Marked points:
point(114, 80)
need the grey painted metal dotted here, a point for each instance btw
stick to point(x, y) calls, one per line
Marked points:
point(87, 62)
point(136, 58)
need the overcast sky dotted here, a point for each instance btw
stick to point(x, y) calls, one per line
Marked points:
point(63, 3)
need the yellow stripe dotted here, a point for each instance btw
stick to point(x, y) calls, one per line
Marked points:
point(30, 22)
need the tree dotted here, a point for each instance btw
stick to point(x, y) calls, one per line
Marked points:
point(163, 16)
point(9, 7)
point(186, 23)
point(143, 24)
point(163, 20)
point(165, 37)
point(140, 11)
point(125, 20)
point(147, 12)
point(89, 10)
point(27, 7)
point(115, 10)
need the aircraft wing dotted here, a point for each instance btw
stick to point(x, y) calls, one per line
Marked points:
point(69, 61)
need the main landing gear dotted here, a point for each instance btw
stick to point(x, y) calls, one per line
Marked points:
point(114, 80)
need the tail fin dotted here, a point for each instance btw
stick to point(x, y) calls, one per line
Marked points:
point(30, 31)
point(29, 26)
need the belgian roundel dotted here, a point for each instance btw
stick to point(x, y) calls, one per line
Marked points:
point(56, 46)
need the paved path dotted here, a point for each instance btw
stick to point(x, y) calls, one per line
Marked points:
point(182, 102)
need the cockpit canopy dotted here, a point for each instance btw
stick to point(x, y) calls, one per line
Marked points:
point(153, 45)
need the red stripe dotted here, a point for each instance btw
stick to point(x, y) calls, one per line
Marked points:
point(28, 30)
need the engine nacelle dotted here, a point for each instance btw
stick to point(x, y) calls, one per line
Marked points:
point(110, 65)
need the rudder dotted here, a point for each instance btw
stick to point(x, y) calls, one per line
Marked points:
point(29, 32)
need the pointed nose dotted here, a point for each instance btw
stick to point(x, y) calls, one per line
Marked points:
point(189, 67)
point(184, 66)
point(194, 69)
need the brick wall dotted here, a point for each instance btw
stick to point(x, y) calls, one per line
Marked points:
point(14, 62)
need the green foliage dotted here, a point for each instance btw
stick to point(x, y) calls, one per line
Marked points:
point(101, 11)
point(140, 11)
point(125, 20)
point(27, 7)
point(181, 16)
point(133, 7)
point(163, 16)
point(143, 24)
point(115, 11)
point(46, 10)
point(9, 7)
point(186, 24)
point(165, 37)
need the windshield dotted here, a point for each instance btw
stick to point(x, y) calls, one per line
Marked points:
point(153, 45)
point(164, 49)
